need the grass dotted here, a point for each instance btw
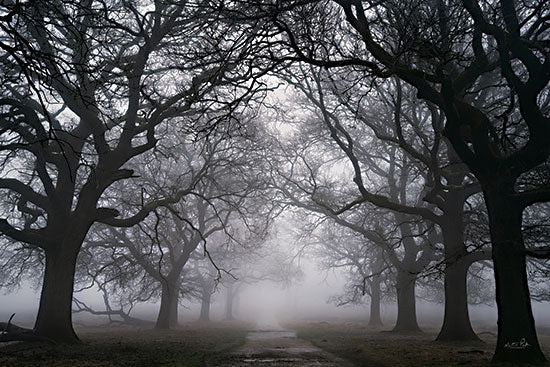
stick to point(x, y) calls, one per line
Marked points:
point(366, 346)
point(191, 344)
point(186, 346)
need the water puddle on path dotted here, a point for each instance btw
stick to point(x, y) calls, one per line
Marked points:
point(277, 348)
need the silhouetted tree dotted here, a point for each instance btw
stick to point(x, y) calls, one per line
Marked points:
point(108, 76)
point(484, 64)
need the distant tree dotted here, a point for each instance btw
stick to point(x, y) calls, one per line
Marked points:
point(161, 246)
point(207, 276)
point(364, 266)
point(270, 260)
point(305, 182)
point(536, 230)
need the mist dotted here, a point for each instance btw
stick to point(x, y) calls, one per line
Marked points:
point(297, 183)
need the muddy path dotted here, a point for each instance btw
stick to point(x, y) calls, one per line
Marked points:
point(277, 348)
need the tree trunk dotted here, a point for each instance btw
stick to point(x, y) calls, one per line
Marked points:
point(517, 340)
point(168, 313)
point(374, 318)
point(206, 297)
point(406, 302)
point(54, 319)
point(456, 320)
point(229, 303)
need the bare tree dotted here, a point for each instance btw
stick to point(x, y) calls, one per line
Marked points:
point(365, 266)
point(485, 65)
point(161, 246)
point(300, 174)
point(357, 114)
point(110, 74)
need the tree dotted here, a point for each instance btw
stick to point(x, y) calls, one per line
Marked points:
point(257, 259)
point(357, 115)
point(364, 264)
point(110, 74)
point(303, 174)
point(206, 276)
point(222, 195)
point(484, 64)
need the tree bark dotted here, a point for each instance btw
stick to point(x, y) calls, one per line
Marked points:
point(517, 340)
point(168, 312)
point(54, 319)
point(206, 298)
point(456, 319)
point(374, 318)
point(406, 302)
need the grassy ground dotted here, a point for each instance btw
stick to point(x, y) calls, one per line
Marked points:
point(186, 346)
point(365, 346)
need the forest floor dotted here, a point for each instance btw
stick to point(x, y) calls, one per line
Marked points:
point(235, 344)
point(367, 346)
point(188, 345)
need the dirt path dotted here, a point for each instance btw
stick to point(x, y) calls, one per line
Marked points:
point(277, 348)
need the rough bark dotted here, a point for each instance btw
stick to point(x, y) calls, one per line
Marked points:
point(168, 312)
point(456, 319)
point(517, 340)
point(406, 302)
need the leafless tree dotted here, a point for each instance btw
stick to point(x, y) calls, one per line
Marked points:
point(484, 64)
point(109, 76)
point(358, 114)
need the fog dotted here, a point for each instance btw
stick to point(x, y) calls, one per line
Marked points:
point(268, 305)
point(313, 182)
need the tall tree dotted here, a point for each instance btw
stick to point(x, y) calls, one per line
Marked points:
point(109, 75)
point(485, 64)
point(304, 176)
point(222, 195)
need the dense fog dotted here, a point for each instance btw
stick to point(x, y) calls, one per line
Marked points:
point(269, 305)
point(328, 183)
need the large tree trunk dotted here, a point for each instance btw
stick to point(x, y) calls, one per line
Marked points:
point(168, 313)
point(456, 320)
point(374, 318)
point(517, 340)
point(406, 302)
point(54, 319)
point(206, 297)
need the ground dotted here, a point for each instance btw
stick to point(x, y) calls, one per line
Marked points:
point(234, 344)
point(366, 346)
point(186, 346)
point(279, 347)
